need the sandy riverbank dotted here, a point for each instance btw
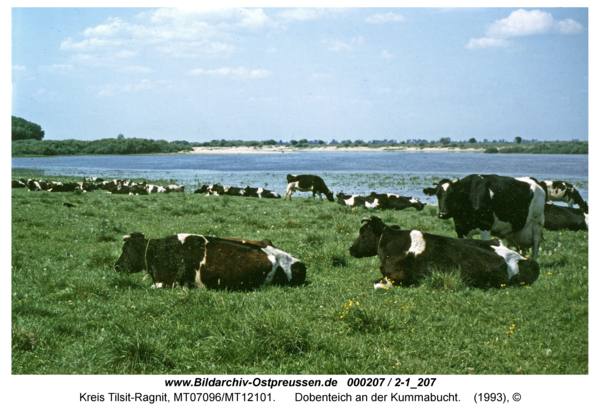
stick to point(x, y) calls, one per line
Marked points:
point(288, 150)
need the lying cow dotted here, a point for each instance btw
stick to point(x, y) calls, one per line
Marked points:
point(396, 202)
point(559, 191)
point(307, 183)
point(175, 188)
point(506, 207)
point(368, 202)
point(261, 193)
point(210, 262)
point(561, 218)
point(18, 184)
point(408, 256)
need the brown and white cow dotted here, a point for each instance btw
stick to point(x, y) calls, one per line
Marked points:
point(307, 183)
point(408, 256)
point(211, 262)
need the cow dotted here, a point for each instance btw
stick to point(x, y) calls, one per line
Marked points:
point(215, 189)
point(155, 189)
point(201, 190)
point(357, 200)
point(559, 191)
point(36, 185)
point(307, 183)
point(18, 184)
point(506, 207)
point(396, 202)
point(261, 193)
point(209, 262)
point(560, 218)
point(409, 256)
point(175, 188)
point(233, 191)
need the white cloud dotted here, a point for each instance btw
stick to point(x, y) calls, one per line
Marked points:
point(241, 73)
point(386, 55)
point(523, 23)
point(384, 18)
point(116, 88)
point(18, 68)
point(338, 45)
point(271, 50)
point(486, 42)
point(56, 67)
point(319, 76)
point(303, 14)
point(137, 69)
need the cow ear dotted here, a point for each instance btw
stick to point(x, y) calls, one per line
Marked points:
point(134, 235)
point(430, 191)
point(365, 219)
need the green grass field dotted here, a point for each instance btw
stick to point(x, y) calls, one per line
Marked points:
point(73, 314)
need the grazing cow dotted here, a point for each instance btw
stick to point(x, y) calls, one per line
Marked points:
point(396, 202)
point(559, 191)
point(260, 192)
point(509, 208)
point(408, 256)
point(368, 202)
point(307, 183)
point(560, 218)
point(210, 262)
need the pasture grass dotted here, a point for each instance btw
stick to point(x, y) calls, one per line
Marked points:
point(73, 314)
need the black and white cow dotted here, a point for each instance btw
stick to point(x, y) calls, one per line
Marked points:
point(175, 189)
point(559, 191)
point(261, 193)
point(561, 218)
point(409, 256)
point(396, 202)
point(211, 262)
point(368, 202)
point(506, 207)
point(307, 183)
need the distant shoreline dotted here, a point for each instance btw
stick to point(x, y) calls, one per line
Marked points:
point(288, 150)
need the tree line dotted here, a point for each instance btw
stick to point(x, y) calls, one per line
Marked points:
point(121, 146)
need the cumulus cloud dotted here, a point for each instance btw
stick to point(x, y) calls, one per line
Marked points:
point(191, 32)
point(486, 42)
point(241, 73)
point(384, 18)
point(523, 23)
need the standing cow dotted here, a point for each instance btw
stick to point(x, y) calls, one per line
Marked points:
point(408, 256)
point(509, 208)
point(211, 262)
point(307, 183)
point(559, 191)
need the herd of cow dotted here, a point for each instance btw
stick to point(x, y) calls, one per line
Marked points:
point(515, 210)
point(116, 186)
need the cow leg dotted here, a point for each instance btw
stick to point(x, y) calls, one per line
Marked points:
point(288, 191)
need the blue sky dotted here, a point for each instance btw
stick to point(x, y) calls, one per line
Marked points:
point(302, 73)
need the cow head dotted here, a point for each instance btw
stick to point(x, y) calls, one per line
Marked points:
point(443, 190)
point(329, 196)
point(367, 242)
point(579, 200)
point(133, 256)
